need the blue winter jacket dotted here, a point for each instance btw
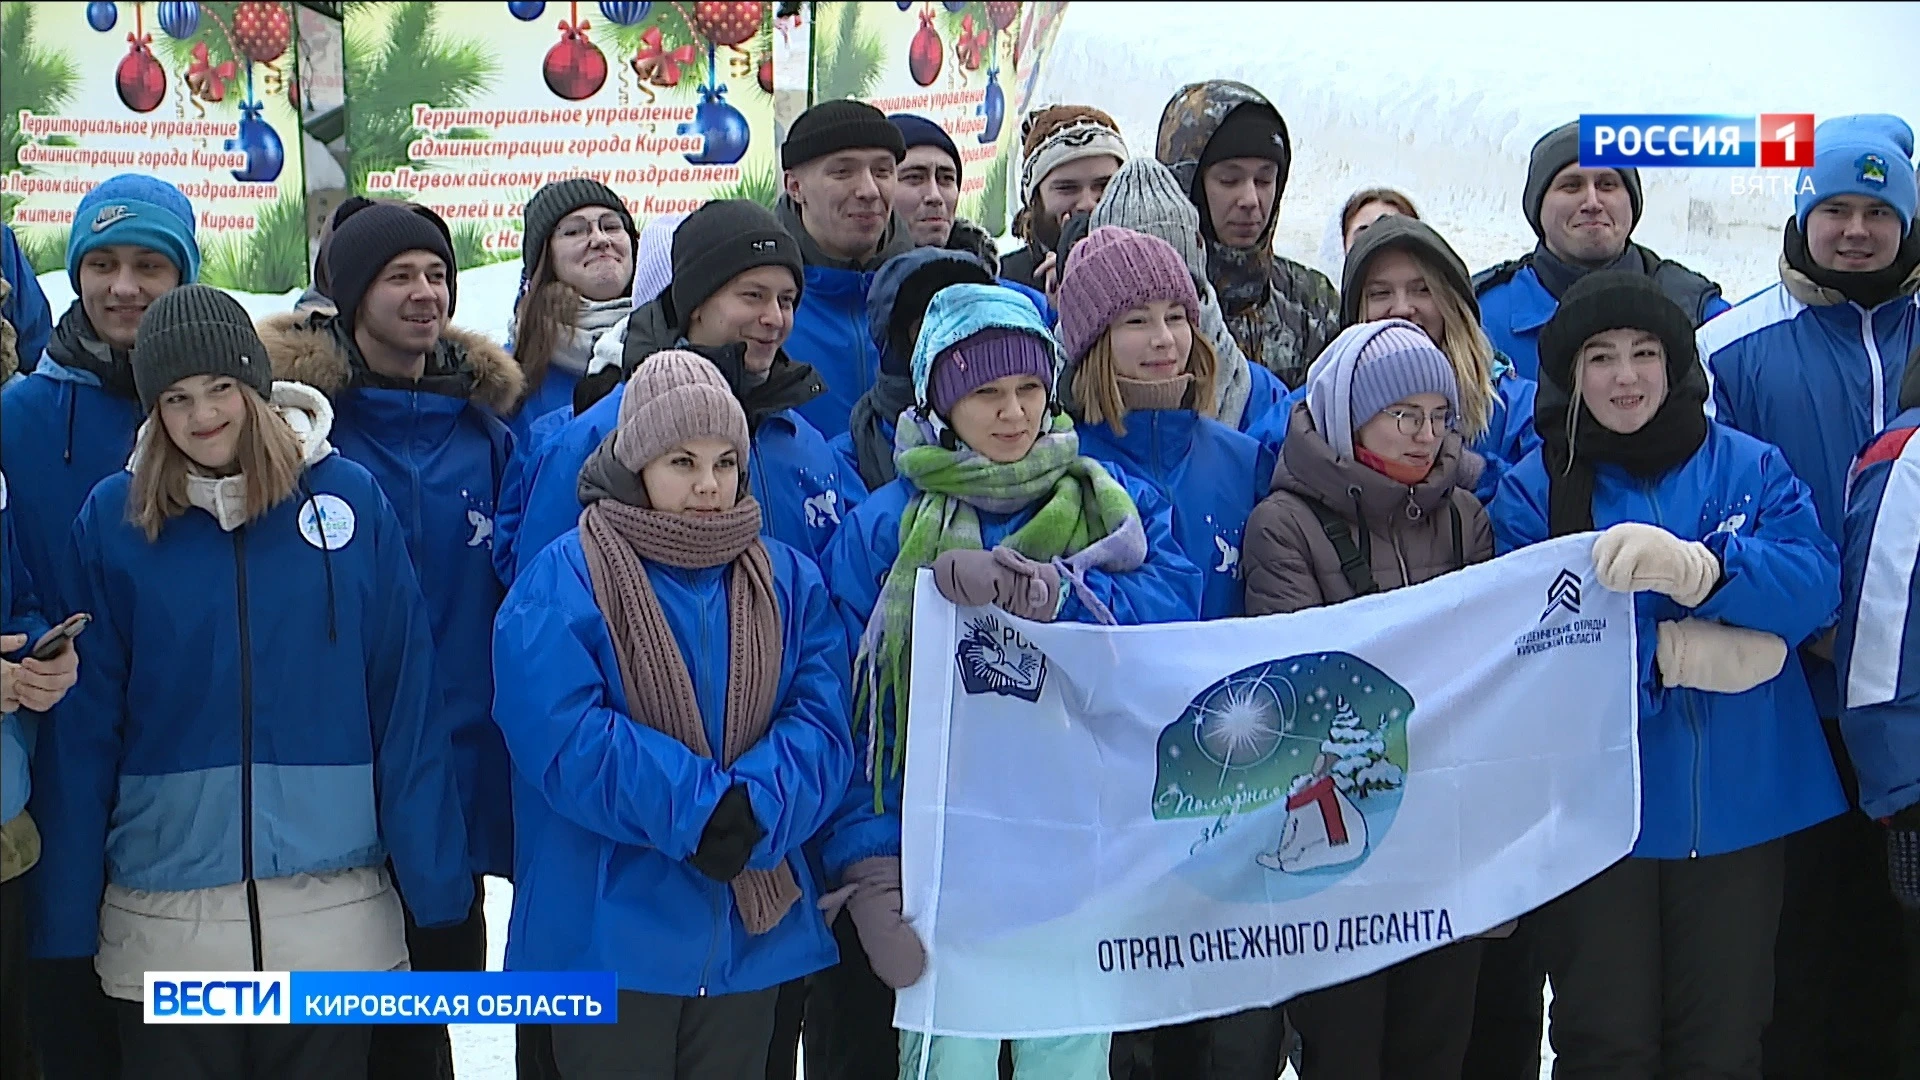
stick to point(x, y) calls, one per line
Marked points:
point(1513, 310)
point(1269, 407)
point(1210, 475)
point(609, 809)
point(20, 613)
point(1166, 588)
point(1510, 436)
point(304, 740)
point(1877, 650)
point(438, 452)
point(1719, 772)
point(554, 392)
point(1817, 375)
point(803, 491)
point(830, 333)
point(61, 433)
point(26, 306)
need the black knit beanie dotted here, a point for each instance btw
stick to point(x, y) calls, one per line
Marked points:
point(373, 237)
point(1410, 234)
point(197, 330)
point(840, 124)
point(1615, 300)
point(556, 201)
point(910, 305)
point(1556, 150)
point(719, 242)
point(1252, 130)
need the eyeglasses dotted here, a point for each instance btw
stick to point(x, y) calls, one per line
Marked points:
point(1412, 421)
point(578, 230)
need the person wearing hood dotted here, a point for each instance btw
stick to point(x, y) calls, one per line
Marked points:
point(1229, 149)
point(667, 783)
point(737, 282)
point(1145, 197)
point(1400, 268)
point(1069, 154)
point(1374, 491)
point(896, 306)
point(417, 404)
point(576, 280)
point(1662, 965)
point(1878, 650)
point(1814, 365)
point(1140, 385)
point(63, 429)
point(926, 196)
point(840, 159)
point(1362, 208)
point(981, 455)
point(25, 307)
point(1584, 219)
point(182, 834)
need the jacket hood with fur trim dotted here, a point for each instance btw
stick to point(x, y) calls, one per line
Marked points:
point(309, 347)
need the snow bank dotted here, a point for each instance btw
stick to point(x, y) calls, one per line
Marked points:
point(1444, 101)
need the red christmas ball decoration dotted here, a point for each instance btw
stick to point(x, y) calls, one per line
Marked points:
point(926, 52)
point(1002, 14)
point(766, 74)
point(575, 68)
point(729, 22)
point(262, 31)
point(140, 80)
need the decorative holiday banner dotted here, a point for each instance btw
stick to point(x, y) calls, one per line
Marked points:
point(202, 95)
point(969, 67)
point(1117, 828)
point(470, 108)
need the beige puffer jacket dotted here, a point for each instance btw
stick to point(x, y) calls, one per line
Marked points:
point(1290, 562)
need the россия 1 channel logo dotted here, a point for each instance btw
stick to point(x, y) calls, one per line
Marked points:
point(1707, 141)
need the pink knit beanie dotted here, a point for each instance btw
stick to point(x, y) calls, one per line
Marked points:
point(1113, 271)
point(674, 396)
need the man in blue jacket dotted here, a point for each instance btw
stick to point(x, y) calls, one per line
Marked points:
point(1878, 651)
point(417, 403)
point(840, 158)
point(1812, 365)
point(63, 429)
point(1585, 220)
point(26, 306)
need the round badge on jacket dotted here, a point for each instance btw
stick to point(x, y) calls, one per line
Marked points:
point(326, 522)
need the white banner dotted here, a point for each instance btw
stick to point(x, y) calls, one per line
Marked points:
point(1117, 828)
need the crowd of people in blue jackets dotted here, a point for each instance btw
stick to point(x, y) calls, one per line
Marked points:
point(312, 625)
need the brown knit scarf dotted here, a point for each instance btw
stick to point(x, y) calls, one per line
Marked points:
point(616, 538)
point(1161, 394)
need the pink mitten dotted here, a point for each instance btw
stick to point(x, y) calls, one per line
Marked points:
point(1036, 592)
point(872, 896)
point(970, 578)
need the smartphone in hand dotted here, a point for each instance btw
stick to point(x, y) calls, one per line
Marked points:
point(60, 638)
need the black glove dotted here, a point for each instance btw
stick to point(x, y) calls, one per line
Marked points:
point(727, 842)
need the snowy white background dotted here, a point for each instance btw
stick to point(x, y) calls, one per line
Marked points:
point(1442, 101)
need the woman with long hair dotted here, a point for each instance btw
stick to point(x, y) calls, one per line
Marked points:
point(253, 736)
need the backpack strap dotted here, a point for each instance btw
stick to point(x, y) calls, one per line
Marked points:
point(1459, 546)
point(1356, 562)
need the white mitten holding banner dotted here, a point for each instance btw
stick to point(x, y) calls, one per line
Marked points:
point(1631, 557)
point(1705, 655)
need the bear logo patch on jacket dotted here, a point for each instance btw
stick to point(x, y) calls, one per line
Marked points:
point(326, 522)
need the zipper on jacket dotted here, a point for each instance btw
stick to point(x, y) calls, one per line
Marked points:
point(1686, 707)
point(1879, 418)
point(413, 466)
point(715, 889)
point(246, 749)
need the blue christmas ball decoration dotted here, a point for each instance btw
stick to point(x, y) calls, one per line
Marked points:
point(955, 6)
point(724, 129)
point(625, 14)
point(994, 107)
point(179, 20)
point(904, 4)
point(102, 16)
point(261, 143)
point(526, 12)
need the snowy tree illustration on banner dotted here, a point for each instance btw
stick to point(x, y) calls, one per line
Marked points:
point(1322, 733)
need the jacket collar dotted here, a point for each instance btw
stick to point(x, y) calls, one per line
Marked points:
point(315, 348)
point(1159, 438)
point(894, 241)
point(1309, 468)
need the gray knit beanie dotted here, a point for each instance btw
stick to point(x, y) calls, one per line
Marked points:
point(1146, 197)
point(1556, 150)
point(197, 330)
point(674, 396)
point(1395, 364)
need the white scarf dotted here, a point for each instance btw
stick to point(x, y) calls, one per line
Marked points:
point(574, 355)
point(305, 409)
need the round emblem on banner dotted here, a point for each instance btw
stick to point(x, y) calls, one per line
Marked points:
point(326, 521)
